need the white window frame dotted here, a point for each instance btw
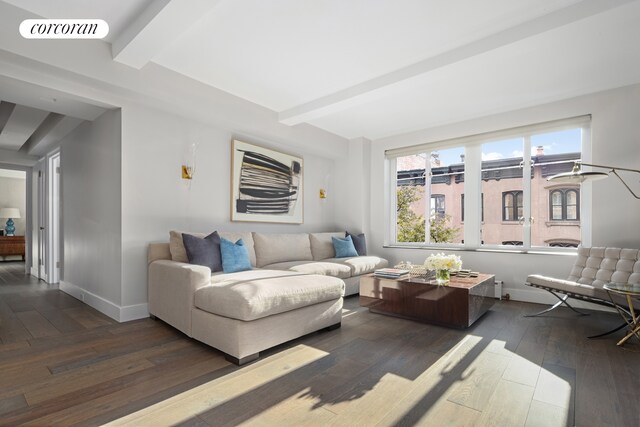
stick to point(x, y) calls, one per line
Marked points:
point(473, 178)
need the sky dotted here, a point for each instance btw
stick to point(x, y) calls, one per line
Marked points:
point(566, 141)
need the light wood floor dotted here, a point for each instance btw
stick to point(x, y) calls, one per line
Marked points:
point(63, 363)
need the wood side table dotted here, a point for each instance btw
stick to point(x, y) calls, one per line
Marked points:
point(12, 245)
point(458, 304)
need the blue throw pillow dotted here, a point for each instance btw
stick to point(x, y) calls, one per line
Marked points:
point(344, 247)
point(359, 242)
point(204, 251)
point(235, 256)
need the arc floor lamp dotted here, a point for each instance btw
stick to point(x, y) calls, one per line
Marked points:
point(577, 175)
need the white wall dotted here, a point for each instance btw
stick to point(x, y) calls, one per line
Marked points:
point(162, 112)
point(155, 199)
point(91, 206)
point(615, 141)
point(13, 194)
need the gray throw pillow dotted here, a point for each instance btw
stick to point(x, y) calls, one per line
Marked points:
point(204, 251)
point(359, 242)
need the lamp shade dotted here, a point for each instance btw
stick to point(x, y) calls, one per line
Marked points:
point(10, 213)
point(577, 177)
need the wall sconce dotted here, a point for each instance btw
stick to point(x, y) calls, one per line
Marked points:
point(187, 172)
point(323, 193)
point(189, 162)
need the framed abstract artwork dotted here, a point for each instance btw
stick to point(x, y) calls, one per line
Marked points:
point(266, 185)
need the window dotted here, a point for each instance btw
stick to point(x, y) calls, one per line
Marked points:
point(437, 205)
point(512, 206)
point(564, 205)
point(421, 214)
point(508, 170)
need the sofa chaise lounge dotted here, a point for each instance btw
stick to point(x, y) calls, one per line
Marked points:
point(295, 288)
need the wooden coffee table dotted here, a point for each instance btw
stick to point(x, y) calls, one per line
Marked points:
point(458, 304)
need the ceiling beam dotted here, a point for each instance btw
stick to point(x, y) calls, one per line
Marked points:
point(6, 108)
point(21, 125)
point(19, 92)
point(49, 134)
point(16, 158)
point(155, 28)
point(378, 87)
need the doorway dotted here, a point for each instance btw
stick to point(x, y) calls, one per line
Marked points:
point(13, 216)
point(53, 219)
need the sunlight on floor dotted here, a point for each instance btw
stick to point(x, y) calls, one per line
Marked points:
point(184, 406)
point(477, 382)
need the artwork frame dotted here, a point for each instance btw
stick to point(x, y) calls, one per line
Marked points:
point(266, 185)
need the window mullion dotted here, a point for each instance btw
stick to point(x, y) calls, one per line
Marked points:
point(526, 189)
point(427, 198)
point(472, 198)
point(391, 215)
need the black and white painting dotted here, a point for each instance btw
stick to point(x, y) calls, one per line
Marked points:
point(266, 185)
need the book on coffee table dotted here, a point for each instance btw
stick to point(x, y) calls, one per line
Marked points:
point(391, 273)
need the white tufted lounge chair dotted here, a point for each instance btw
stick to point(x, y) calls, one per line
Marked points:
point(593, 268)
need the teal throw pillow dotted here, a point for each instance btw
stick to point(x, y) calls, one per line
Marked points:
point(344, 247)
point(235, 256)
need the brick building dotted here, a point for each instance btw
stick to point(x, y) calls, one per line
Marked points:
point(555, 208)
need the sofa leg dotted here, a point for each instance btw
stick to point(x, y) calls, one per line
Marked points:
point(334, 326)
point(243, 360)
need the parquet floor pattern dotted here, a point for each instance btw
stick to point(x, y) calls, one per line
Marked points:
point(63, 363)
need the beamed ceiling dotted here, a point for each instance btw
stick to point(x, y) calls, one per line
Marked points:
point(364, 68)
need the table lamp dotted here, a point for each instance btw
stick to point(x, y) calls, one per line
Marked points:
point(10, 213)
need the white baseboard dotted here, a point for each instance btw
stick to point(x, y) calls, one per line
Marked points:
point(540, 296)
point(104, 306)
point(134, 312)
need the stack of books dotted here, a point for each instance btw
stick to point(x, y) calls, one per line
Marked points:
point(465, 273)
point(391, 273)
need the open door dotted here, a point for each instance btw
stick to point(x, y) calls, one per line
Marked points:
point(53, 232)
point(42, 218)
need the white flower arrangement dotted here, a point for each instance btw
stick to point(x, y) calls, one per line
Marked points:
point(443, 262)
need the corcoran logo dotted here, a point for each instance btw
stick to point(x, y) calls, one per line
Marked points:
point(64, 29)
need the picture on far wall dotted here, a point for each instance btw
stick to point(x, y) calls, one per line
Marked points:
point(266, 185)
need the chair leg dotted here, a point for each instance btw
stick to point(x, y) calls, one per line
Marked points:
point(563, 300)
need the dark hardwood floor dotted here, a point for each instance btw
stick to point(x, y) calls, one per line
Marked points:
point(63, 363)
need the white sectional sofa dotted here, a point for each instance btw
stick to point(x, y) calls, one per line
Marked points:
point(295, 287)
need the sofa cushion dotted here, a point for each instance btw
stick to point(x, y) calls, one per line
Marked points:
point(272, 248)
point(362, 264)
point(176, 245)
point(247, 239)
point(322, 245)
point(314, 267)
point(256, 294)
point(178, 252)
point(234, 256)
point(359, 242)
point(344, 247)
point(204, 251)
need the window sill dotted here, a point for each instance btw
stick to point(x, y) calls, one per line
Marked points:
point(562, 223)
point(532, 251)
